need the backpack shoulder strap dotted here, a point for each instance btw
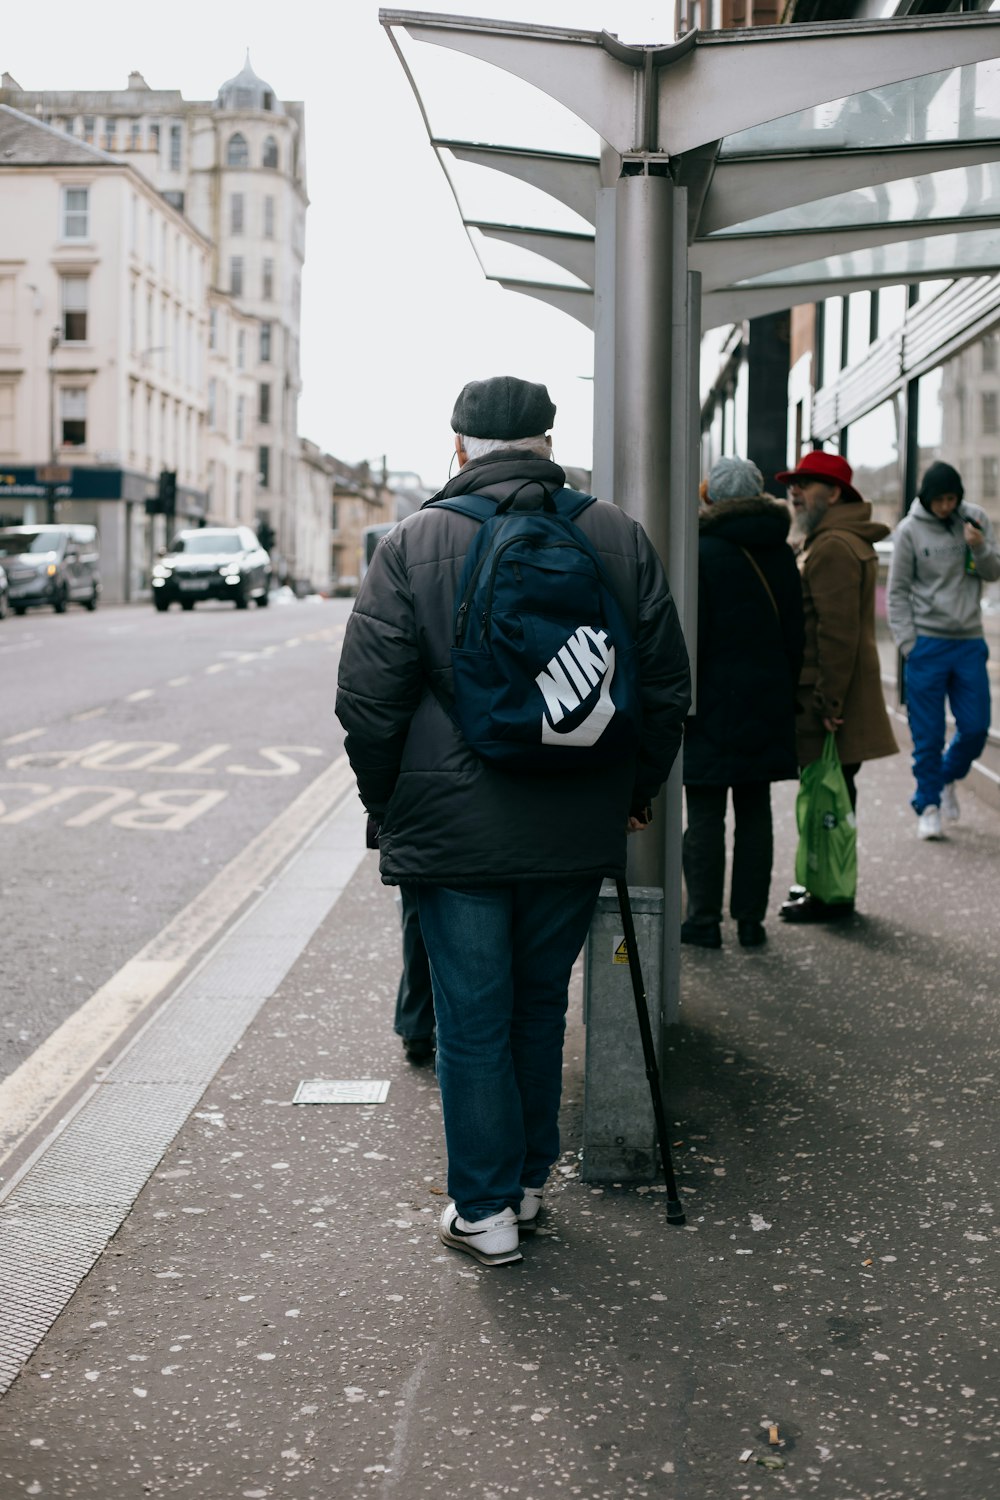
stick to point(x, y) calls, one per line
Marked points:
point(572, 503)
point(476, 507)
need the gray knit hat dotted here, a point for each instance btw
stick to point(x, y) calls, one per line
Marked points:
point(734, 479)
point(503, 407)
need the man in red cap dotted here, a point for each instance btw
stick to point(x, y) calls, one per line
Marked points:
point(840, 687)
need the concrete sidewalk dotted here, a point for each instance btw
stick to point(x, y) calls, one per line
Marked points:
point(276, 1317)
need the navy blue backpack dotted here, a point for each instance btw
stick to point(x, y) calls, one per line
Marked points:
point(543, 661)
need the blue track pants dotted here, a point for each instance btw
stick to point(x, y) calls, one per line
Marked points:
point(938, 669)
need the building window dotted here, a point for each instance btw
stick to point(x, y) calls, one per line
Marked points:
point(990, 347)
point(236, 208)
point(175, 148)
point(241, 418)
point(267, 280)
point(990, 487)
point(269, 217)
point(213, 327)
point(73, 417)
point(134, 135)
point(8, 390)
point(241, 349)
point(88, 128)
point(270, 157)
point(236, 275)
point(109, 134)
point(73, 299)
point(264, 405)
point(237, 152)
point(265, 343)
point(175, 198)
point(212, 397)
point(991, 413)
point(264, 468)
point(154, 136)
point(75, 213)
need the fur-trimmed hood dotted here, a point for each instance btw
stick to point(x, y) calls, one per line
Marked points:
point(760, 521)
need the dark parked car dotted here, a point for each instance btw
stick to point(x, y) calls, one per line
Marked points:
point(51, 565)
point(4, 595)
point(212, 562)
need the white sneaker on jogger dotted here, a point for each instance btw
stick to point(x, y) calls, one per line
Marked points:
point(493, 1241)
point(929, 823)
point(529, 1210)
point(949, 803)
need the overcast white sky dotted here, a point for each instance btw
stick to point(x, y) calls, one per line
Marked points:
point(396, 312)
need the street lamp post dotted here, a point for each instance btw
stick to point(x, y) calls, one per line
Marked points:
point(55, 338)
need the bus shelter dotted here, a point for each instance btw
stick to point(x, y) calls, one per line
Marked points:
point(653, 192)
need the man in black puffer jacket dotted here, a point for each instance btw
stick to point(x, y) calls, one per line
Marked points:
point(742, 734)
point(507, 864)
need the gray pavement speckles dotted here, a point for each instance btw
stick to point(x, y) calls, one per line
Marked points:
point(280, 1295)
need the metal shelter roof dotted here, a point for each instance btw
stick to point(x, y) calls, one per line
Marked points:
point(818, 158)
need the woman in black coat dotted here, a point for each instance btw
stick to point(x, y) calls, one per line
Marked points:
point(742, 733)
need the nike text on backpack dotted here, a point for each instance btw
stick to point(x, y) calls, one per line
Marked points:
point(543, 661)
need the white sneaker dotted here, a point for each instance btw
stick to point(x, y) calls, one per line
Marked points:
point(929, 823)
point(530, 1208)
point(949, 803)
point(493, 1242)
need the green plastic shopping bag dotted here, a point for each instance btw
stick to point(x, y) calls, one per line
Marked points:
point(826, 861)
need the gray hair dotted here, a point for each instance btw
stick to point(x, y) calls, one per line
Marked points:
point(477, 447)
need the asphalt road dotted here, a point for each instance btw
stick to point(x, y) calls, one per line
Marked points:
point(139, 754)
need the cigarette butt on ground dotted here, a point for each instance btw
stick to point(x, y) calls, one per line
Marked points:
point(772, 1434)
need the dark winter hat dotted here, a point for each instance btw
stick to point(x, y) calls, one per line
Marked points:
point(940, 479)
point(503, 407)
point(734, 479)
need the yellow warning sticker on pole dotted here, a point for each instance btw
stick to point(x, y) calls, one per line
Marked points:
point(620, 955)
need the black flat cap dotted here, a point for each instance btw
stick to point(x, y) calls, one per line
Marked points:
point(503, 407)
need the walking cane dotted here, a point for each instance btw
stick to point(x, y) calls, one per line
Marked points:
point(675, 1209)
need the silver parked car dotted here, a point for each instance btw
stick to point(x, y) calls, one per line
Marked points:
point(212, 562)
point(51, 565)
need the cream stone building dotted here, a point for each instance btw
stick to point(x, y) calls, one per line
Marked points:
point(226, 177)
point(103, 302)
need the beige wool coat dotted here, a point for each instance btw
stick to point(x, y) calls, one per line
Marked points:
point(840, 677)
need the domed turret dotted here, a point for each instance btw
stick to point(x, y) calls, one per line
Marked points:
point(247, 91)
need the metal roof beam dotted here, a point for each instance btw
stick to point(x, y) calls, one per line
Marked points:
point(572, 180)
point(734, 304)
point(738, 258)
point(734, 81)
point(673, 99)
point(747, 188)
point(575, 253)
point(578, 304)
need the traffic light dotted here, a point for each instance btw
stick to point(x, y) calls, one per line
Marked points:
point(164, 502)
point(167, 491)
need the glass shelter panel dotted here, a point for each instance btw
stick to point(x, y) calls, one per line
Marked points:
point(959, 104)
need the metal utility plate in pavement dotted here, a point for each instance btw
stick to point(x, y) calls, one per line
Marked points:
point(342, 1091)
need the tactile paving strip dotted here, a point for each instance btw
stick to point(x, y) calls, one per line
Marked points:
point(59, 1216)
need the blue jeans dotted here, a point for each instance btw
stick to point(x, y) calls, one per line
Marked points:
point(414, 999)
point(501, 958)
point(936, 669)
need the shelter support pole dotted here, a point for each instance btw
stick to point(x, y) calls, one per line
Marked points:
point(645, 204)
point(682, 572)
point(603, 477)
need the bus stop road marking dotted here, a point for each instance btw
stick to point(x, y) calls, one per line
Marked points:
point(76, 1047)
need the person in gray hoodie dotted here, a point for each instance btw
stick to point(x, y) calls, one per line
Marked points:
point(944, 551)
